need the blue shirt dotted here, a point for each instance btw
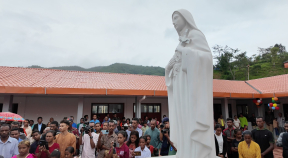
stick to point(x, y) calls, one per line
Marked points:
point(39, 127)
point(74, 125)
point(95, 121)
point(9, 148)
point(19, 140)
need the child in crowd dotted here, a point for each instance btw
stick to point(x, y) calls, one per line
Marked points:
point(145, 152)
point(235, 142)
point(55, 154)
point(122, 151)
point(150, 147)
point(275, 126)
point(133, 142)
point(69, 151)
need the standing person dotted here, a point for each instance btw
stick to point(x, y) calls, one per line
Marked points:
point(41, 151)
point(269, 121)
point(145, 152)
point(6, 142)
point(236, 122)
point(31, 123)
point(235, 143)
point(135, 122)
point(86, 119)
point(105, 140)
point(249, 148)
point(229, 133)
point(36, 136)
point(27, 129)
point(89, 141)
point(81, 124)
point(69, 152)
point(279, 140)
point(51, 119)
point(133, 142)
point(150, 147)
point(95, 120)
point(122, 151)
point(220, 142)
point(221, 121)
point(253, 121)
point(115, 117)
point(23, 148)
point(39, 126)
point(275, 127)
point(144, 127)
point(65, 139)
point(243, 120)
point(16, 125)
point(15, 133)
point(147, 120)
point(155, 137)
point(106, 119)
point(264, 138)
point(73, 124)
point(281, 122)
point(72, 129)
point(53, 127)
point(285, 145)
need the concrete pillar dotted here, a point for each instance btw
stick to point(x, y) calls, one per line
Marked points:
point(225, 110)
point(80, 109)
point(7, 104)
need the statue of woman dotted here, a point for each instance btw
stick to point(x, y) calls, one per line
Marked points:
point(189, 80)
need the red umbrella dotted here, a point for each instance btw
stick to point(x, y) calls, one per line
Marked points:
point(8, 116)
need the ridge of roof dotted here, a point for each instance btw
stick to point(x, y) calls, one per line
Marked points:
point(266, 77)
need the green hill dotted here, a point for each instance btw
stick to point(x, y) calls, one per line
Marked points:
point(115, 68)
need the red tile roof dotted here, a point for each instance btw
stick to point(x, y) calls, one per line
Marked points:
point(50, 81)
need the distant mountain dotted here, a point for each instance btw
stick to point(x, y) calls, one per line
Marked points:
point(115, 68)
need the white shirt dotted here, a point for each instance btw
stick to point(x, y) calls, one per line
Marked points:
point(88, 152)
point(281, 121)
point(144, 154)
point(220, 142)
point(236, 123)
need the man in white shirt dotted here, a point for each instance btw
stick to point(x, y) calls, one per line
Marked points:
point(281, 122)
point(135, 123)
point(89, 142)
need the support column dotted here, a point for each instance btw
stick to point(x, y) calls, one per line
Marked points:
point(7, 105)
point(225, 110)
point(80, 109)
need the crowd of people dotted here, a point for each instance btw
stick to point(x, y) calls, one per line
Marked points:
point(107, 138)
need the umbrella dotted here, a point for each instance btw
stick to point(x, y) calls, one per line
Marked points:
point(8, 116)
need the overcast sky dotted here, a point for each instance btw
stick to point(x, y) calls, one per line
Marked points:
point(98, 33)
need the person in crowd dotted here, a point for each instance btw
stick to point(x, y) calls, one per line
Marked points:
point(243, 120)
point(155, 137)
point(269, 121)
point(97, 128)
point(115, 127)
point(135, 122)
point(123, 121)
point(281, 122)
point(165, 138)
point(164, 116)
point(15, 133)
point(253, 121)
point(81, 124)
point(65, 139)
point(235, 143)
point(127, 122)
point(53, 127)
point(105, 140)
point(275, 127)
point(55, 154)
point(285, 144)
point(279, 140)
point(39, 126)
point(72, 129)
point(27, 129)
point(95, 120)
point(249, 148)
point(7, 142)
point(108, 115)
point(23, 148)
point(51, 119)
point(144, 127)
point(140, 123)
point(48, 124)
point(119, 127)
point(73, 124)
point(236, 122)
point(106, 119)
point(69, 152)
point(145, 152)
point(150, 147)
point(105, 125)
point(31, 123)
point(229, 133)
point(41, 151)
point(264, 138)
point(16, 124)
point(147, 120)
point(36, 136)
point(133, 142)
point(122, 151)
point(221, 121)
point(89, 141)
point(115, 117)
point(220, 142)
point(86, 119)
point(46, 130)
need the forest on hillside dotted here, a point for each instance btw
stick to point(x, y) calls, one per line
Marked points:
point(232, 64)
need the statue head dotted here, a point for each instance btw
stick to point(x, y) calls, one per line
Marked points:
point(183, 19)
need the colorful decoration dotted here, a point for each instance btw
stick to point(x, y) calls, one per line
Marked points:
point(8, 116)
point(275, 104)
point(258, 102)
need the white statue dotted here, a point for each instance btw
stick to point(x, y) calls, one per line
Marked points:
point(189, 80)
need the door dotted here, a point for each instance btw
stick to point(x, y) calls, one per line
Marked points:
point(101, 110)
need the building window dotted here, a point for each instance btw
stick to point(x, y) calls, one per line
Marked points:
point(149, 108)
point(115, 108)
point(157, 109)
point(107, 108)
